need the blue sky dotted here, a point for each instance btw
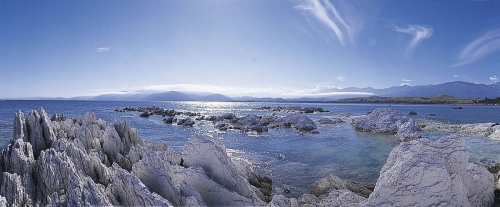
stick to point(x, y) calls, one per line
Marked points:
point(237, 47)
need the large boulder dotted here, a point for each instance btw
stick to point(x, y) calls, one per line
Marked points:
point(212, 158)
point(425, 173)
point(299, 122)
point(385, 120)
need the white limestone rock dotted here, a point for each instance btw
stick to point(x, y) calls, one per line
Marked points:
point(86, 162)
point(3, 201)
point(154, 173)
point(324, 186)
point(282, 201)
point(128, 190)
point(408, 131)
point(19, 126)
point(483, 129)
point(212, 193)
point(385, 120)
point(62, 184)
point(18, 159)
point(425, 173)
point(14, 191)
point(496, 133)
point(40, 132)
point(212, 157)
point(342, 197)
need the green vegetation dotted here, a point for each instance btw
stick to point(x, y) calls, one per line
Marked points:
point(440, 99)
point(488, 101)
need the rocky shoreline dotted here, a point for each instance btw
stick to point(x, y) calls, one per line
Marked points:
point(245, 124)
point(85, 161)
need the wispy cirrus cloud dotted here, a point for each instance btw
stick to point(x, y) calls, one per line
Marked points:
point(340, 78)
point(479, 48)
point(332, 17)
point(419, 33)
point(102, 49)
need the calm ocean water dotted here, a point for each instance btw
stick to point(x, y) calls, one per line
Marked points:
point(290, 159)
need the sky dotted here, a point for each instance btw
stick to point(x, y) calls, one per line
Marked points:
point(261, 48)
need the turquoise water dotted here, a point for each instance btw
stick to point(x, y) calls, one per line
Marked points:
point(288, 158)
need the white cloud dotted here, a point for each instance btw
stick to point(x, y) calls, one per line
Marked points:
point(479, 48)
point(102, 49)
point(340, 78)
point(337, 21)
point(456, 76)
point(322, 88)
point(494, 78)
point(419, 33)
point(405, 84)
point(406, 80)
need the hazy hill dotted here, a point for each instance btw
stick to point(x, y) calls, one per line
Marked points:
point(440, 99)
point(458, 89)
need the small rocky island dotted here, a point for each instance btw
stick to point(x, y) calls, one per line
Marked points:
point(85, 161)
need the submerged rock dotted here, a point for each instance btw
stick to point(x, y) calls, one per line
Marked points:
point(88, 162)
point(327, 121)
point(385, 120)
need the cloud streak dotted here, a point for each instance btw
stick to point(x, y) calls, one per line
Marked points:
point(340, 78)
point(479, 48)
point(329, 15)
point(419, 33)
point(102, 49)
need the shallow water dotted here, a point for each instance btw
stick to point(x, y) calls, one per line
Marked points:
point(288, 158)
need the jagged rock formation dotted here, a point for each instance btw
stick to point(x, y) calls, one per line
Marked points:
point(384, 120)
point(86, 162)
point(417, 173)
point(496, 132)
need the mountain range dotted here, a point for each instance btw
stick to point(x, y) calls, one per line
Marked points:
point(458, 89)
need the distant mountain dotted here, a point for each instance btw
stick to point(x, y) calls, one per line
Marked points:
point(214, 98)
point(163, 96)
point(458, 89)
point(168, 96)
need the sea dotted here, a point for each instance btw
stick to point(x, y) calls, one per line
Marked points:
point(293, 160)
